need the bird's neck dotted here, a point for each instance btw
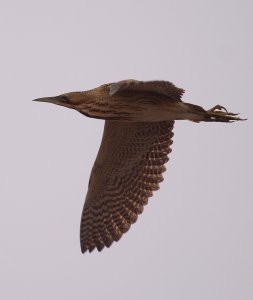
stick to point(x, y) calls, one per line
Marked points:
point(99, 105)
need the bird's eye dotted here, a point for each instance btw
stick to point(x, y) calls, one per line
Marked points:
point(64, 99)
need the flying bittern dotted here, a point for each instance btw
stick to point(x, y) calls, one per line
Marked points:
point(135, 146)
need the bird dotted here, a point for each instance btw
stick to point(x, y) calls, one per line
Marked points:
point(139, 118)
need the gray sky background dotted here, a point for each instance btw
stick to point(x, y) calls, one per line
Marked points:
point(194, 239)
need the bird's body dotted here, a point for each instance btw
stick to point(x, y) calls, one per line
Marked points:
point(143, 106)
point(135, 146)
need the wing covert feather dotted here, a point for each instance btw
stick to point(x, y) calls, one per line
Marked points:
point(164, 88)
point(128, 168)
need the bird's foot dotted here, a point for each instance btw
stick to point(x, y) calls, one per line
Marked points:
point(217, 108)
point(220, 114)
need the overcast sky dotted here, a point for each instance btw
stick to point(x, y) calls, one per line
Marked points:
point(194, 239)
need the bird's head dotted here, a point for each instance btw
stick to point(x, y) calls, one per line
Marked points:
point(70, 100)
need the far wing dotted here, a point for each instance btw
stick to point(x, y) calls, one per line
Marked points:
point(128, 168)
point(165, 88)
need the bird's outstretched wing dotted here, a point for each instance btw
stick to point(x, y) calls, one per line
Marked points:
point(165, 88)
point(128, 168)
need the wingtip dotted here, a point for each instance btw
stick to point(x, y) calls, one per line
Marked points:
point(83, 249)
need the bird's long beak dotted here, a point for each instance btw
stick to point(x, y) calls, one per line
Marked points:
point(54, 100)
point(61, 100)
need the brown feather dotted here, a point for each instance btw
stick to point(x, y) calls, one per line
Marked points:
point(165, 88)
point(127, 170)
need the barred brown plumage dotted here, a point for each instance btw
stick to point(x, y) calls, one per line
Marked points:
point(125, 190)
point(134, 149)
